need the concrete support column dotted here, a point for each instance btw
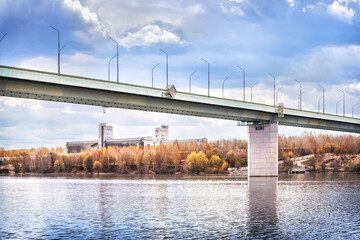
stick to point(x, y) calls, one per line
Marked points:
point(263, 150)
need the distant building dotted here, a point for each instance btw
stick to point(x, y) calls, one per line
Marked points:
point(76, 147)
point(161, 134)
point(106, 140)
point(197, 140)
point(105, 133)
point(126, 142)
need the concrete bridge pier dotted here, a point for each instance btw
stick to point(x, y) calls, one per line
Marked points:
point(263, 150)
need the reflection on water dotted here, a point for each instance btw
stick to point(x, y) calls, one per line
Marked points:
point(262, 221)
point(306, 206)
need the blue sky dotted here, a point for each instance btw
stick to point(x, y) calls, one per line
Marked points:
point(315, 42)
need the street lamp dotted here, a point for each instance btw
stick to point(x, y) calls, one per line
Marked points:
point(109, 66)
point(352, 110)
point(152, 75)
point(167, 68)
point(208, 76)
point(323, 98)
point(243, 82)
point(223, 86)
point(337, 106)
point(251, 89)
point(59, 49)
point(3, 37)
point(117, 59)
point(319, 103)
point(190, 80)
point(277, 95)
point(343, 102)
point(300, 95)
point(274, 86)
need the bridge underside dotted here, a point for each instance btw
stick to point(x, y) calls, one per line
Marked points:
point(263, 140)
point(21, 83)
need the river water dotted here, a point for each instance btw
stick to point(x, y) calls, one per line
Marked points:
point(308, 206)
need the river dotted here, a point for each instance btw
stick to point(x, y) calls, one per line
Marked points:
point(307, 206)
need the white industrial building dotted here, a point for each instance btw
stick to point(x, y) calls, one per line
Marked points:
point(105, 133)
point(161, 134)
point(106, 140)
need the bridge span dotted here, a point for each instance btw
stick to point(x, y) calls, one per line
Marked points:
point(263, 120)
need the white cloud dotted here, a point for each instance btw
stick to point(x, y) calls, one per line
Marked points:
point(147, 35)
point(331, 62)
point(347, 1)
point(25, 103)
point(236, 10)
point(355, 87)
point(341, 12)
point(291, 2)
point(238, 1)
point(87, 15)
point(338, 9)
point(308, 7)
point(40, 63)
point(81, 59)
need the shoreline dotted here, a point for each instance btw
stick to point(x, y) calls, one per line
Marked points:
point(104, 176)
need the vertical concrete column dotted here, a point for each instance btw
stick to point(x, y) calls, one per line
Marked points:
point(263, 150)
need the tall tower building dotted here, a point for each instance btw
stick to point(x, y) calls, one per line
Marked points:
point(161, 134)
point(105, 133)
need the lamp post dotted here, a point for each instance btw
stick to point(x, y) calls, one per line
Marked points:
point(319, 103)
point(343, 101)
point(59, 49)
point(117, 59)
point(208, 76)
point(337, 106)
point(3, 37)
point(109, 66)
point(352, 109)
point(251, 90)
point(190, 80)
point(167, 68)
point(300, 95)
point(152, 75)
point(274, 86)
point(243, 82)
point(277, 95)
point(223, 86)
point(323, 98)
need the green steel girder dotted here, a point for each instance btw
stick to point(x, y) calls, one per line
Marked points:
point(22, 83)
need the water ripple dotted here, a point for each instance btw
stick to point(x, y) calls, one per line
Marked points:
point(295, 207)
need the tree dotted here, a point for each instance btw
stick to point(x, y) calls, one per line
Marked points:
point(215, 162)
point(330, 147)
point(197, 162)
point(88, 164)
point(97, 166)
point(58, 165)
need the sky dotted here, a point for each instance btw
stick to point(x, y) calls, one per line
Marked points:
point(314, 42)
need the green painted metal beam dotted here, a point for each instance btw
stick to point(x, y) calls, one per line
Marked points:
point(23, 83)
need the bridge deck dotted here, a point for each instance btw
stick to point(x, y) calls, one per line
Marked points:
point(24, 83)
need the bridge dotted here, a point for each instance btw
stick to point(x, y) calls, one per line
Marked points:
point(262, 120)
